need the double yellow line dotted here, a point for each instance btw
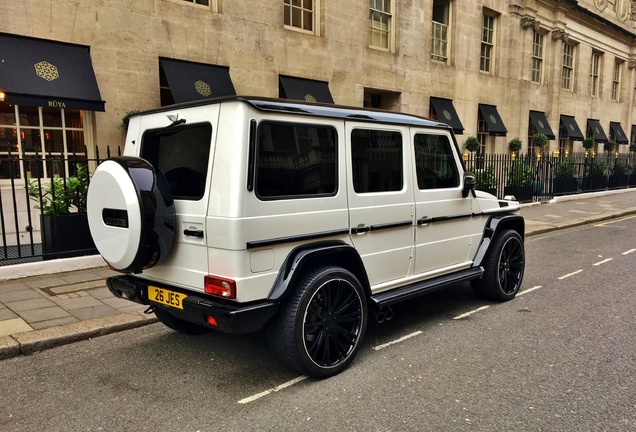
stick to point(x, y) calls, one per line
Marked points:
point(614, 221)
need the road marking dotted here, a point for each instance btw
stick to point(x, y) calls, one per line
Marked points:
point(464, 315)
point(602, 262)
point(570, 274)
point(614, 221)
point(403, 338)
point(629, 251)
point(273, 390)
point(529, 290)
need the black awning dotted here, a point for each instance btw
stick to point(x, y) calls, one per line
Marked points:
point(617, 132)
point(541, 124)
point(190, 81)
point(572, 128)
point(304, 89)
point(490, 115)
point(597, 131)
point(38, 72)
point(446, 113)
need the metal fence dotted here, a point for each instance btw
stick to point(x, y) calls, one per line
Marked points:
point(33, 208)
point(43, 206)
point(535, 177)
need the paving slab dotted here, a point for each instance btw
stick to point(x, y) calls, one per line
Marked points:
point(15, 325)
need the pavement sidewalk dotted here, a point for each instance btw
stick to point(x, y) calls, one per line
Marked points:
point(57, 302)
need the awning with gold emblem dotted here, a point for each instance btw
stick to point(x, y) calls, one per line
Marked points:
point(190, 81)
point(445, 112)
point(39, 72)
point(304, 89)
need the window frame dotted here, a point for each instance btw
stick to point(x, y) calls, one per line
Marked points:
point(390, 27)
point(440, 33)
point(487, 43)
point(438, 161)
point(47, 157)
point(315, 17)
point(616, 79)
point(213, 5)
point(595, 73)
point(538, 54)
point(568, 66)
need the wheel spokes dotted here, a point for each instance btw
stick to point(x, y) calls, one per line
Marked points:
point(332, 323)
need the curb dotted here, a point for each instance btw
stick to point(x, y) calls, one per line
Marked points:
point(576, 223)
point(38, 340)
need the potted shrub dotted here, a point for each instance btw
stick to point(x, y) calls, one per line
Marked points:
point(472, 144)
point(486, 180)
point(588, 143)
point(609, 146)
point(63, 219)
point(515, 145)
point(564, 181)
point(539, 140)
point(520, 176)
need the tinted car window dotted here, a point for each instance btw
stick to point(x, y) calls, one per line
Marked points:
point(436, 168)
point(182, 154)
point(295, 160)
point(377, 160)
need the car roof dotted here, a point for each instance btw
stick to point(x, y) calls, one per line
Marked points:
point(313, 109)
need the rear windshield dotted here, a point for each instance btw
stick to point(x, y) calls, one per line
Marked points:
point(182, 154)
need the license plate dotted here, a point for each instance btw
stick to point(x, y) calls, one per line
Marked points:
point(166, 297)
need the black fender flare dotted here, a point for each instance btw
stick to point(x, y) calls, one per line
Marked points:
point(494, 225)
point(323, 253)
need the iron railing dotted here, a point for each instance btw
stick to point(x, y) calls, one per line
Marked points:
point(531, 177)
point(29, 201)
point(524, 176)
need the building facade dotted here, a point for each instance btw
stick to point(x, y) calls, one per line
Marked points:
point(495, 69)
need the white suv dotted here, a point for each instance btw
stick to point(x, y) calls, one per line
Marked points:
point(241, 214)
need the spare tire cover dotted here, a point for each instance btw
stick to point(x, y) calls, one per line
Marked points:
point(131, 213)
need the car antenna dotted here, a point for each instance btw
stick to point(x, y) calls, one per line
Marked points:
point(175, 120)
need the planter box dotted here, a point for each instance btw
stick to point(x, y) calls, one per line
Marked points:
point(595, 182)
point(66, 236)
point(521, 193)
point(564, 186)
point(618, 181)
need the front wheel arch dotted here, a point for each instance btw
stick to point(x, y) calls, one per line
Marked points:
point(504, 266)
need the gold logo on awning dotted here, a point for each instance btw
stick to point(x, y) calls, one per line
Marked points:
point(203, 88)
point(310, 98)
point(46, 70)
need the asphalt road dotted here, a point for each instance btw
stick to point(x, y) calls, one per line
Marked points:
point(560, 357)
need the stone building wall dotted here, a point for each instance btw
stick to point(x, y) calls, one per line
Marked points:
point(248, 36)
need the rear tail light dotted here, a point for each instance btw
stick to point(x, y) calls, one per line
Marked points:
point(220, 287)
point(211, 320)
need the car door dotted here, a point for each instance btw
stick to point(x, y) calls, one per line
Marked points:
point(380, 201)
point(443, 215)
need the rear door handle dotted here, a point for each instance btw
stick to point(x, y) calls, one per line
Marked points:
point(193, 233)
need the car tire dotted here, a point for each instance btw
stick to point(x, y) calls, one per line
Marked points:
point(503, 268)
point(322, 323)
point(177, 324)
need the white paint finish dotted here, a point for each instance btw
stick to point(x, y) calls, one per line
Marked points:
point(529, 290)
point(570, 274)
point(602, 262)
point(272, 390)
point(467, 314)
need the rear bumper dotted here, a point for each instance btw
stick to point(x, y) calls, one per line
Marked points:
point(230, 317)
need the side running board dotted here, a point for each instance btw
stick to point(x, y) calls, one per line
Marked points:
point(409, 292)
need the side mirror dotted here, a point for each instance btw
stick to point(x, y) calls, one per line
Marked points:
point(470, 183)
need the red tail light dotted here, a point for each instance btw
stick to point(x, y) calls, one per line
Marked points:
point(220, 287)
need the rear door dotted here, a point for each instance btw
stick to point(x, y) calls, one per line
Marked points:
point(184, 153)
point(443, 216)
point(380, 201)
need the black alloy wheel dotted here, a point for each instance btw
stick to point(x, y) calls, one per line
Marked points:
point(322, 323)
point(503, 268)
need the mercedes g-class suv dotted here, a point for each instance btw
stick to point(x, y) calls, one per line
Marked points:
point(241, 214)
